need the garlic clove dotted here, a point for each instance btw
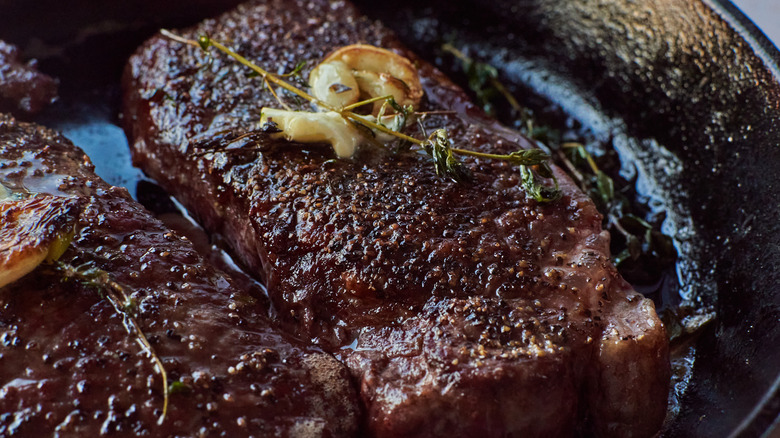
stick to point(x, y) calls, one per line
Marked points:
point(370, 59)
point(32, 231)
point(325, 127)
point(333, 83)
point(382, 84)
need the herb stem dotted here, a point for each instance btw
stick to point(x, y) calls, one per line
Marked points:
point(588, 157)
point(132, 327)
point(366, 102)
point(507, 95)
point(437, 145)
point(115, 294)
point(497, 85)
point(205, 41)
point(571, 168)
point(179, 39)
point(615, 221)
point(373, 125)
point(276, 96)
point(436, 113)
point(480, 154)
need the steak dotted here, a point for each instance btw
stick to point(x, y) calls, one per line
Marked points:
point(460, 309)
point(24, 91)
point(69, 366)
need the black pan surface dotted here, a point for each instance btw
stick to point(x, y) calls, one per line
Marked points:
point(687, 91)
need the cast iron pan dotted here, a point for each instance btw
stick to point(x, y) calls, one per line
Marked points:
point(687, 91)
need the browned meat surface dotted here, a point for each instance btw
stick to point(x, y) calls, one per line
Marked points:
point(68, 367)
point(461, 309)
point(24, 91)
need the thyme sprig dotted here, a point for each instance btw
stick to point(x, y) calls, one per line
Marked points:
point(641, 238)
point(88, 275)
point(636, 242)
point(444, 161)
point(437, 145)
point(483, 81)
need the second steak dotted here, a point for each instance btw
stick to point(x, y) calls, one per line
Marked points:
point(69, 367)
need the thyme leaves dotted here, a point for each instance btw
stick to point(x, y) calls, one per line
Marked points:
point(483, 81)
point(641, 239)
point(638, 244)
point(444, 161)
point(538, 191)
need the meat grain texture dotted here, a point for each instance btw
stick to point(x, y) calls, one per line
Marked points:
point(68, 366)
point(460, 309)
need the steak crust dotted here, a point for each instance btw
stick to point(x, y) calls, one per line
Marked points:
point(460, 309)
point(68, 367)
point(24, 91)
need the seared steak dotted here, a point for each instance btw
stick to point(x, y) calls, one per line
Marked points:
point(24, 91)
point(68, 366)
point(461, 309)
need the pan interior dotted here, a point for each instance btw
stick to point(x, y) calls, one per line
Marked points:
point(685, 91)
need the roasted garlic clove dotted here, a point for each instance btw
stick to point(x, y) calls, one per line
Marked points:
point(377, 72)
point(347, 76)
point(334, 84)
point(326, 127)
point(34, 230)
point(382, 84)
